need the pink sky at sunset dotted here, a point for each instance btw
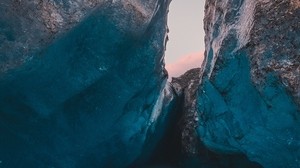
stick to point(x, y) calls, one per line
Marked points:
point(184, 64)
point(186, 37)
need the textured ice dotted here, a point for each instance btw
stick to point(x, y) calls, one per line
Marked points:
point(249, 93)
point(82, 83)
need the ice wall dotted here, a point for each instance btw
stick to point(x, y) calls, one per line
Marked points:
point(82, 83)
point(249, 93)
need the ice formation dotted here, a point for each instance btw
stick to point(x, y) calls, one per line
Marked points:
point(249, 93)
point(79, 81)
point(83, 84)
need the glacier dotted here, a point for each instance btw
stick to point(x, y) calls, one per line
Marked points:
point(83, 84)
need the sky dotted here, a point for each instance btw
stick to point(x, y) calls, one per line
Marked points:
point(185, 47)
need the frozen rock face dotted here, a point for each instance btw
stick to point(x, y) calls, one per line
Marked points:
point(249, 93)
point(82, 83)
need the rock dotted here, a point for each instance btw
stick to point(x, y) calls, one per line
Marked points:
point(187, 85)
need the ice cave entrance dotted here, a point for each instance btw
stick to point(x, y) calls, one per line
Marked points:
point(185, 48)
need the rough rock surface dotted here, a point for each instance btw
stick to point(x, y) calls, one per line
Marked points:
point(187, 85)
point(82, 83)
point(248, 99)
